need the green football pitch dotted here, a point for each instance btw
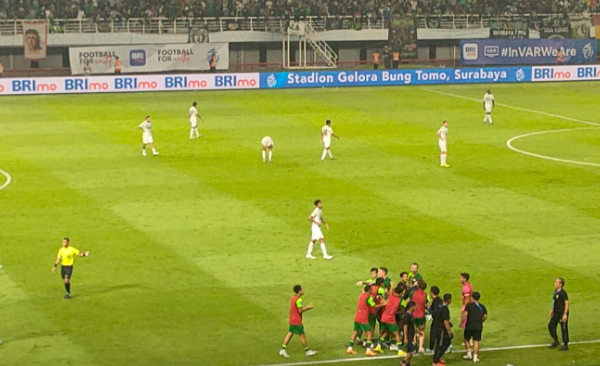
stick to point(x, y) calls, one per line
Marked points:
point(194, 253)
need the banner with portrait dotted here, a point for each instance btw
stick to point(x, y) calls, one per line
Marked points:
point(198, 35)
point(35, 39)
point(298, 28)
point(402, 36)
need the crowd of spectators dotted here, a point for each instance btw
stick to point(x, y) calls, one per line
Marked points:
point(375, 9)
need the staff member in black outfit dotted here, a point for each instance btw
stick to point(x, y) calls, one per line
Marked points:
point(559, 315)
point(442, 331)
point(436, 303)
point(474, 315)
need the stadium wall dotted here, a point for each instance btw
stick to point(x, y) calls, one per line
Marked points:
point(239, 53)
point(305, 79)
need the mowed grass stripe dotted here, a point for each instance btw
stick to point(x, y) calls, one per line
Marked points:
point(211, 171)
point(121, 281)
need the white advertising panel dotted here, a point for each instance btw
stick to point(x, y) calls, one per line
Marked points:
point(149, 58)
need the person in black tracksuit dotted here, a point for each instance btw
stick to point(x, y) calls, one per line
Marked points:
point(441, 331)
point(436, 303)
point(559, 315)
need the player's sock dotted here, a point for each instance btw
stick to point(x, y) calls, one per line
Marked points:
point(490, 118)
point(351, 343)
point(306, 348)
point(283, 346)
point(270, 155)
point(330, 154)
point(442, 159)
point(324, 154)
point(68, 287)
point(369, 344)
point(310, 248)
point(192, 133)
point(197, 132)
point(324, 250)
point(154, 151)
point(264, 154)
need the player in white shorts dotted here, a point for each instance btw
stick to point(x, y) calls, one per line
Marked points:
point(442, 134)
point(194, 121)
point(488, 105)
point(316, 217)
point(147, 139)
point(326, 134)
point(267, 144)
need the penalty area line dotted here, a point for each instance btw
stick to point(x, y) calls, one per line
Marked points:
point(8, 179)
point(516, 108)
point(358, 359)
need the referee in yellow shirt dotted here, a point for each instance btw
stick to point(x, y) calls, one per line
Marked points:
point(66, 256)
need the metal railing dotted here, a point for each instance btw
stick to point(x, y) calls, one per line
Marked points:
point(183, 25)
point(474, 21)
point(273, 24)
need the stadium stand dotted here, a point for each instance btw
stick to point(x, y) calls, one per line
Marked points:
point(102, 11)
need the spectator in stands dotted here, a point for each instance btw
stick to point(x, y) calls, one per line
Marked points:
point(1, 69)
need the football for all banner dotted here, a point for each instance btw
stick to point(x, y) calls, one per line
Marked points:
point(35, 39)
point(149, 58)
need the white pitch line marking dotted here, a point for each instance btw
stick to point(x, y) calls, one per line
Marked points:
point(509, 144)
point(517, 108)
point(8, 179)
point(344, 360)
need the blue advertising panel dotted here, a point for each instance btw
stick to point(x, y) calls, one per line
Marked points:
point(528, 51)
point(315, 79)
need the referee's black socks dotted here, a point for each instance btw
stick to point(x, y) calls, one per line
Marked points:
point(68, 287)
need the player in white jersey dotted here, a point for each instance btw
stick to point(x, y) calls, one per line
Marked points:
point(442, 134)
point(326, 134)
point(194, 121)
point(146, 126)
point(488, 105)
point(316, 217)
point(267, 144)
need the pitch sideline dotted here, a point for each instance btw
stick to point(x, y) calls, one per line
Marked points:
point(8, 179)
point(344, 360)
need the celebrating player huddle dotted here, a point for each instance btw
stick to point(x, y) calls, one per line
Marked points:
point(401, 311)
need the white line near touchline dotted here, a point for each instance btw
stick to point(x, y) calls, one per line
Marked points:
point(8, 179)
point(344, 360)
point(516, 108)
point(509, 144)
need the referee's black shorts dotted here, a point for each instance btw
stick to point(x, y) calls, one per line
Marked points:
point(66, 271)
